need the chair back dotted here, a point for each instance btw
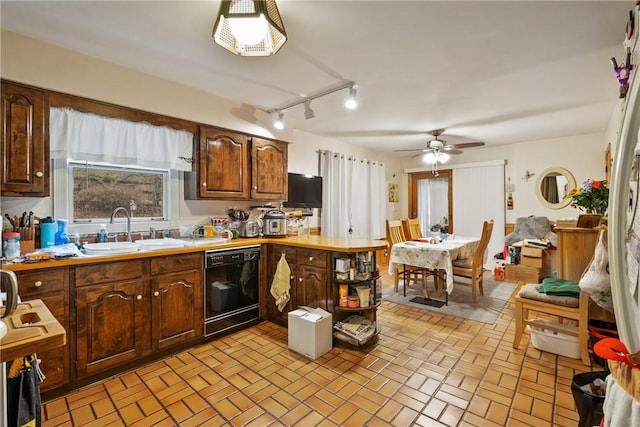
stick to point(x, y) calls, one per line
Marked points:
point(412, 228)
point(487, 229)
point(395, 233)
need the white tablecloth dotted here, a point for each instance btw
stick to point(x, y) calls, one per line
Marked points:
point(434, 256)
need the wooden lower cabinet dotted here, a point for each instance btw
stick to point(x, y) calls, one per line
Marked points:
point(130, 309)
point(52, 287)
point(112, 325)
point(309, 280)
point(176, 300)
point(274, 255)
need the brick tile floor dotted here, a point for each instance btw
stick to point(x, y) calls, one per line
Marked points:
point(427, 369)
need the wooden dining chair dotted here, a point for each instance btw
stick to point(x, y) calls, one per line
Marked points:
point(395, 234)
point(473, 268)
point(412, 228)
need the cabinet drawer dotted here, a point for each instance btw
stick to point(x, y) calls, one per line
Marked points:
point(108, 272)
point(171, 263)
point(277, 251)
point(34, 283)
point(312, 258)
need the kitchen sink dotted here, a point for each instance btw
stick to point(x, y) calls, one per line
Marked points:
point(110, 248)
point(156, 244)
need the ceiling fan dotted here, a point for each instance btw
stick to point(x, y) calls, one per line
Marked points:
point(438, 146)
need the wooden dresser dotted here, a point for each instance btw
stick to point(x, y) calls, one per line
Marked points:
point(576, 247)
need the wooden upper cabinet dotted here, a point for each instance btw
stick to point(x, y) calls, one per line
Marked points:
point(25, 141)
point(233, 166)
point(269, 170)
point(223, 162)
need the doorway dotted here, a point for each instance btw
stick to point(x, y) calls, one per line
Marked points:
point(431, 200)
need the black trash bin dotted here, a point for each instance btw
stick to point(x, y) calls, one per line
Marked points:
point(589, 405)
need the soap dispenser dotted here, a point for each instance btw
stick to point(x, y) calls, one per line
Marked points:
point(103, 235)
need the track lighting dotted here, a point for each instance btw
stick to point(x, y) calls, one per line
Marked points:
point(278, 121)
point(308, 112)
point(351, 103)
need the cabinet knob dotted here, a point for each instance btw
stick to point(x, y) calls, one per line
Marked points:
point(291, 278)
point(156, 293)
point(39, 174)
point(37, 284)
point(300, 279)
point(310, 259)
point(204, 184)
point(139, 297)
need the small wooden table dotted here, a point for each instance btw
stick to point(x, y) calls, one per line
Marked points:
point(30, 329)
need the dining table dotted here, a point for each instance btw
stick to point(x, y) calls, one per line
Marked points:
point(434, 256)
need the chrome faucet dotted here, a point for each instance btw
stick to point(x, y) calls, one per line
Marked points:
point(152, 232)
point(126, 213)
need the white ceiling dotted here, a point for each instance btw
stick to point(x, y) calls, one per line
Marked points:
point(499, 72)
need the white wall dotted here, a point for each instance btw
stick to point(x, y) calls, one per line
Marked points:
point(33, 62)
point(582, 155)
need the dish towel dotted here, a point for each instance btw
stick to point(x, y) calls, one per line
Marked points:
point(23, 392)
point(281, 283)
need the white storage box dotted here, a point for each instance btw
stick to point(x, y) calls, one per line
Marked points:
point(310, 331)
point(554, 342)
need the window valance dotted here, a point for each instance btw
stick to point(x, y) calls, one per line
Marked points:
point(95, 138)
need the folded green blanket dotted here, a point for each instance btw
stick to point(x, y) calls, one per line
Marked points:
point(559, 287)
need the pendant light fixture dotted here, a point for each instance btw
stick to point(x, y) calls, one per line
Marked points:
point(249, 27)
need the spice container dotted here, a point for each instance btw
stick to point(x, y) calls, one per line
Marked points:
point(353, 301)
point(11, 244)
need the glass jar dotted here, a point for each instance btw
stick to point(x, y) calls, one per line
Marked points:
point(11, 245)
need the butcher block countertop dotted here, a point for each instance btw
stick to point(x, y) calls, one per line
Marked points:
point(31, 328)
point(336, 244)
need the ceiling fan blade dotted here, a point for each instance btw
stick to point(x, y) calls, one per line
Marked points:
point(417, 155)
point(466, 145)
point(413, 149)
point(452, 151)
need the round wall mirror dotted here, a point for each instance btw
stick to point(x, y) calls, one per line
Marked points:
point(553, 184)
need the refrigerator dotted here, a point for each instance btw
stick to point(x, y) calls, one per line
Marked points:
point(624, 240)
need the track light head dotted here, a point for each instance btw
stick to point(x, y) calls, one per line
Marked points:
point(308, 112)
point(278, 121)
point(351, 103)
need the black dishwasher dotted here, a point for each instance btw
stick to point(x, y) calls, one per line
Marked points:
point(232, 288)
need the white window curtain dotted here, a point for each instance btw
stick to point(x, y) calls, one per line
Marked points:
point(353, 196)
point(94, 138)
point(433, 205)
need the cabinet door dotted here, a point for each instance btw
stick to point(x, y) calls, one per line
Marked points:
point(223, 165)
point(275, 253)
point(311, 287)
point(50, 286)
point(269, 170)
point(25, 141)
point(112, 325)
point(176, 308)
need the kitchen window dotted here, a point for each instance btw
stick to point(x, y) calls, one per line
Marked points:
point(99, 188)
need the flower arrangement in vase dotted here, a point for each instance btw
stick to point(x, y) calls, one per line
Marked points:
point(592, 198)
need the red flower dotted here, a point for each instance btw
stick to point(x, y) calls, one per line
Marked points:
point(596, 184)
